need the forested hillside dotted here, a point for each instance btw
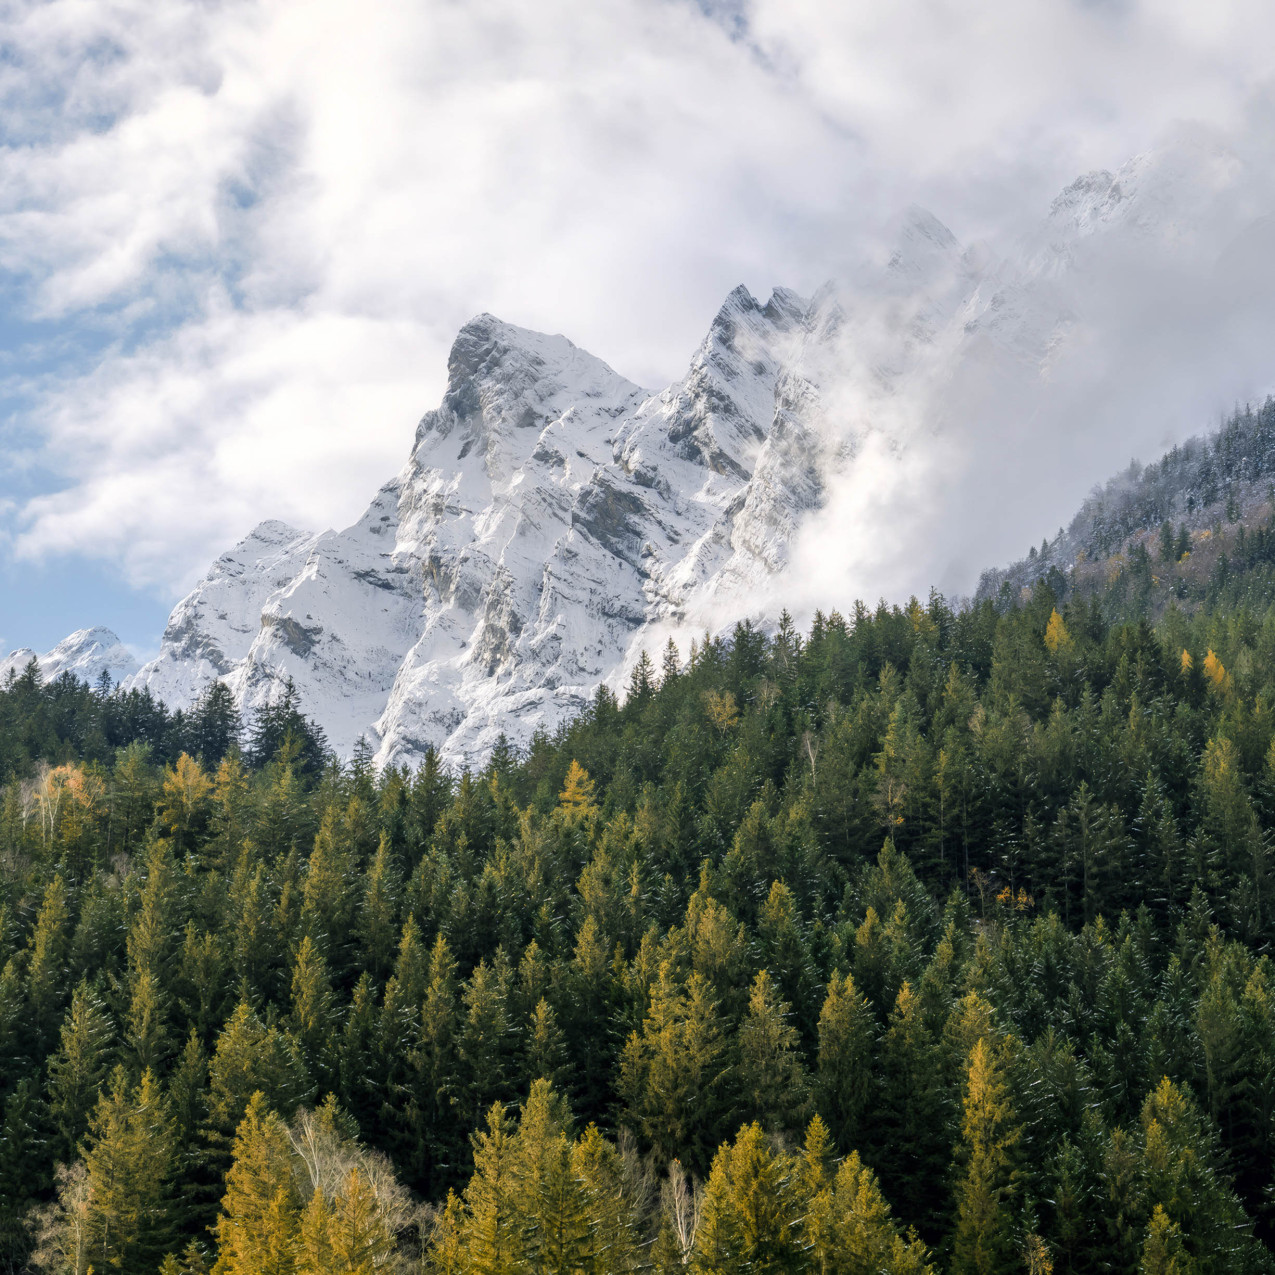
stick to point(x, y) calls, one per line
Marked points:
point(922, 941)
point(1192, 529)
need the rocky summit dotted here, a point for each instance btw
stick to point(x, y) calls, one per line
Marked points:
point(554, 519)
point(551, 517)
point(86, 654)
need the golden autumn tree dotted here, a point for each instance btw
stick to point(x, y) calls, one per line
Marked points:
point(1057, 638)
point(577, 791)
point(261, 1210)
point(1215, 674)
point(984, 1243)
point(184, 798)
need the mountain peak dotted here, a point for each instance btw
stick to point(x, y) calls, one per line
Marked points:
point(86, 653)
point(925, 249)
point(505, 381)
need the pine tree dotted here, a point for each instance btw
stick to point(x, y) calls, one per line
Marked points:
point(546, 1046)
point(327, 901)
point(911, 1135)
point(249, 1057)
point(843, 1081)
point(1182, 1174)
point(358, 1240)
point(147, 1033)
point(1162, 1254)
point(492, 1231)
point(614, 1243)
point(130, 1159)
point(278, 731)
point(577, 790)
point(46, 960)
point(313, 1022)
point(213, 725)
point(314, 1241)
point(673, 1072)
point(184, 800)
point(485, 1041)
point(378, 926)
point(358, 1061)
point(847, 1228)
point(547, 1196)
point(751, 1212)
point(151, 936)
point(773, 1082)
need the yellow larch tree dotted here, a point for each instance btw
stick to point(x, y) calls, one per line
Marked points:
point(1056, 636)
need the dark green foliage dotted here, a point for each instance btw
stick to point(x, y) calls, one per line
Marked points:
point(792, 874)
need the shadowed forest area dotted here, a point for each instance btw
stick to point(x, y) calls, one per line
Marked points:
point(928, 940)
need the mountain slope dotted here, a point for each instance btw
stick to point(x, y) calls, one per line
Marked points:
point(554, 519)
point(551, 512)
point(86, 653)
point(1193, 521)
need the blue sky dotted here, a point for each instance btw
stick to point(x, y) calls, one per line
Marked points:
point(236, 238)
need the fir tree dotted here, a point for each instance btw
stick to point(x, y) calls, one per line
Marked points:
point(79, 1067)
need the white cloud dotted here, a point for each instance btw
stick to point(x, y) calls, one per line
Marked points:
point(282, 211)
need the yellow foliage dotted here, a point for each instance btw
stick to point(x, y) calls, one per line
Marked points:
point(1037, 1256)
point(1056, 635)
point(1187, 662)
point(84, 787)
point(1216, 673)
point(186, 788)
point(721, 710)
point(1020, 902)
point(578, 792)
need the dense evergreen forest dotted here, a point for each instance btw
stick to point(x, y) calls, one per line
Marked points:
point(1193, 528)
point(925, 941)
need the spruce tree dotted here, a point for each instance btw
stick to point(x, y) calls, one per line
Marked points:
point(773, 1084)
point(79, 1067)
point(260, 1211)
point(130, 1159)
point(844, 1078)
point(751, 1211)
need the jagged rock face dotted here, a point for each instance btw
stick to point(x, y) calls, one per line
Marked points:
point(554, 519)
point(87, 653)
point(212, 629)
point(550, 514)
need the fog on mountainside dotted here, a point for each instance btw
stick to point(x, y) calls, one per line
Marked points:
point(906, 427)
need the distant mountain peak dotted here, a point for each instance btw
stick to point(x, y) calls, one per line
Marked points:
point(86, 653)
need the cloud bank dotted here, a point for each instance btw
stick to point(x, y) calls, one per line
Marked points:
point(239, 237)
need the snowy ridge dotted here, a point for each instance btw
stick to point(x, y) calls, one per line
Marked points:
point(550, 513)
point(86, 653)
point(553, 518)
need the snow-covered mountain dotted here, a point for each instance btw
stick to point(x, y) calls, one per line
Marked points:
point(88, 653)
point(551, 515)
point(553, 518)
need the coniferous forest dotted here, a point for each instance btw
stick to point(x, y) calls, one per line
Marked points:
point(929, 940)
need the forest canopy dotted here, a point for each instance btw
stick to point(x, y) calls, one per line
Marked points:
point(927, 940)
